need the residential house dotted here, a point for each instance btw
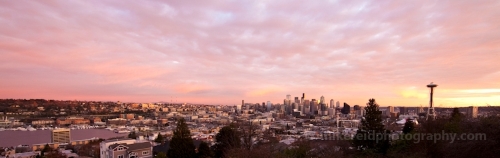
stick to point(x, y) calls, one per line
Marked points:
point(136, 150)
point(126, 148)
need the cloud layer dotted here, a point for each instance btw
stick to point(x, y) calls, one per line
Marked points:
point(221, 52)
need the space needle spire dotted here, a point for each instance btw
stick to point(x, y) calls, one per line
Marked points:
point(431, 113)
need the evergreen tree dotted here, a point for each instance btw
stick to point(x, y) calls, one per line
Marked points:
point(204, 151)
point(454, 123)
point(409, 126)
point(456, 116)
point(132, 135)
point(372, 124)
point(227, 138)
point(161, 155)
point(160, 138)
point(45, 150)
point(181, 145)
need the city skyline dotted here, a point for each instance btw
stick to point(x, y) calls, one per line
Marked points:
point(224, 52)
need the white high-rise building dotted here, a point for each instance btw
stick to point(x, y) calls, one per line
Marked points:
point(268, 105)
point(322, 100)
point(338, 104)
point(238, 108)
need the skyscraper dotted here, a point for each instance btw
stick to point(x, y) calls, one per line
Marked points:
point(331, 103)
point(238, 109)
point(324, 110)
point(314, 106)
point(346, 109)
point(288, 100)
point(338, 104)
point(307, 107)
point(322, 100)
point(268, 105)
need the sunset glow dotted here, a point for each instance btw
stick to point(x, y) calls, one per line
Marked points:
point(222, 52)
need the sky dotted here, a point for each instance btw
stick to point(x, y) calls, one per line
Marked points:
point(222, 52)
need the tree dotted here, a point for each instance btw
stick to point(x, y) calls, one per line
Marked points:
point(409, 126)
point(456, 116)
point(248, 133)
point(372, 124)
point(46, 149)
point(181, 144)
point(132, 135)
point(454, 123)
point(160, 138)
point(54, 154)
point(161, 155)
point(204, 151)
point(227, 138)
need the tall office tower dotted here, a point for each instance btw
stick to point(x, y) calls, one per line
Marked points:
point(294, 106)
point(346, 109)
point(61, 135)
point(338, 104)
point(268, 105)
point(238, 109)
point(356, 107)
point(314, 106)
point(288, 97)
point(289, 109)
point(283, 108)
point(323, 108)
point(304, 96)
point(307, 107)
point(331, 103)
point(297, 100)
point(402, 110)
point(322, 100)
point(284, 101)
point(263, 105)
point(472, 112)
point(247, 107)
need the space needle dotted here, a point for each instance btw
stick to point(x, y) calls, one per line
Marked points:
point(431, 113)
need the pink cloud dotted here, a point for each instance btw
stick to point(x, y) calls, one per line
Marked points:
point(223, 52)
